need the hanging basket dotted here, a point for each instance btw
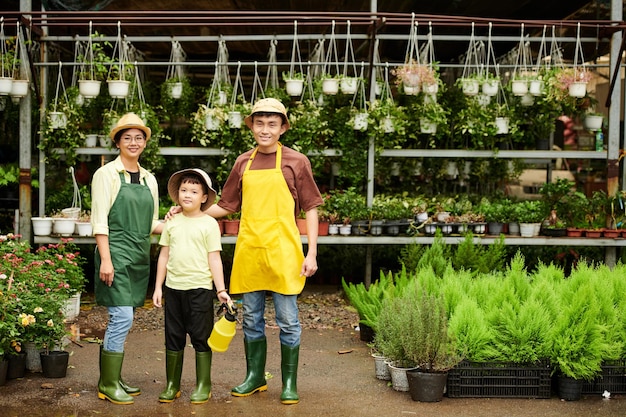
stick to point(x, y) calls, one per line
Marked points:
point(428, 127)
point(502, 125)
point(360, 121)
point(176, 90)
point(119, 88)
point(330, 86)
point(470, 86)
point(490, 87)
point(294, 87)
point(89, 88)
point(349, 85)
point(212, 122)
point(58, 120)
point(536, 87)
point(6, 84)
point(235, 120)
point(519, 87)
point(19, 88)
point(577, 89)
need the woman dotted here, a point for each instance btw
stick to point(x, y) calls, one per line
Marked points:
point(125, 207)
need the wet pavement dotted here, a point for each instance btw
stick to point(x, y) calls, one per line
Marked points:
point(336, 379)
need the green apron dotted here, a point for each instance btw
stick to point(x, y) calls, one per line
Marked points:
point(130, 223)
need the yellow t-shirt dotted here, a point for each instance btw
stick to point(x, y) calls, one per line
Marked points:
point(190, 240)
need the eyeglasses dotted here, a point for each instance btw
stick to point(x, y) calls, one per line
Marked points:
point(129, 139)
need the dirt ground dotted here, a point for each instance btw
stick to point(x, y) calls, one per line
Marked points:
point(336, 378)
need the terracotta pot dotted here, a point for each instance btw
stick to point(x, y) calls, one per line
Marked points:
point(593, 233)
point(322, 228)
point(573, 232)
point(301, 223)
point(611, 233)
point(231, 227)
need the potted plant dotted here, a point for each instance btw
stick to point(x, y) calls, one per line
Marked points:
point(294, 83)
point(431, 116)
point(94, 65)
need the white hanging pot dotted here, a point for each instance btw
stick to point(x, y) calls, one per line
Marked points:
point(483, 100)
point(452, 171)
point(118, 88)
point(89, 88)
point(91, 140)
point(527, 100)
point(294, 87)
point(6, 84)
point(176, 90)
point(536, 87)
point(234, 119)
point(212, 122)
point(222, 98)
point(577, 89)
point(519, 87)
point(330, 86)
point(58, 120)
point(411, 79)
point(502, 125)
point(387, 125)
point(349, 85)
point(430, 88)
point(428, 127)
point(593, 122)
point(470, 86)
point(378, 88)
point(19, 88)
point(490, 87)
point(360, 121)
point(410, 90)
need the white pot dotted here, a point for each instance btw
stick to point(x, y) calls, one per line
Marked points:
point(58, 120)
point(452, 170)
point(411, 79)
point(104, 141)
point(84, 229)
point(345, 229)
point(6, 84)
point(593, 122)
point(421, 217)
point(410, 90)
point(378, 88)
point(89, 88)
point(294, 87)
point(502, 125)
point(19, 88)
point(71, 212)
point(519, 87)
point(42, 226)
point(577, 89)
point(333, 229)
point(176, 90)
point(490, 87)
point(430, 88)
point(470, 86)
point(91, 140)
point(330, 86)
point(234, 119)
point(118, 88)
point(428, 127)
point(526, 229)
point(536, 87)
point(387, 125)
point(71, 309)
point(211, 122)
point(222, 98)
point(349, 85)
point(527, 100)
point(63, 226)
point(483, 100)
point(360, 122)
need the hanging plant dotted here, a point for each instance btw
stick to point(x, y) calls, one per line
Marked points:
point(294, 79)
point(7, 58)
point(330, 78)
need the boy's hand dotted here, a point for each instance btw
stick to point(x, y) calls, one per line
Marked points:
point(157, 297)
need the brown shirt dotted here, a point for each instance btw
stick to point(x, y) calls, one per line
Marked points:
point(296, 169)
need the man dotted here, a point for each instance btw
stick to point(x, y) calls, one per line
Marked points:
point(270, 185)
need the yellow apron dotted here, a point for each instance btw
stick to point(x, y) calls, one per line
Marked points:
point(268, 253)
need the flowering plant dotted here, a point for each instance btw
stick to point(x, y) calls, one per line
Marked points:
point(413, 74)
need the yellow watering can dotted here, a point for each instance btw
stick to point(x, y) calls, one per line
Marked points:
point(224, 330)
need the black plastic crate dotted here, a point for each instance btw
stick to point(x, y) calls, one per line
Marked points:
point(500, 380)
point(612, 379)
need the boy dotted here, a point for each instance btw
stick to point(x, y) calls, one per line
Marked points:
point(190, 257)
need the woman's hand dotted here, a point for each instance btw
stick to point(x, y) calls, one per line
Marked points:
point(107, 272)
point(174, 210)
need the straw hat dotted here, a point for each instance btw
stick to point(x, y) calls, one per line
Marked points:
point(130, 121)
point(173, 184)
point(269, 105)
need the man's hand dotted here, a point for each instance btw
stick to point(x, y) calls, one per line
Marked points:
point(174, 210)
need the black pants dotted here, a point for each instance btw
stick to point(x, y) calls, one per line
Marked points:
point(190, 313)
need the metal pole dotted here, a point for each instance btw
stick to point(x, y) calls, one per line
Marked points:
point(25, 156)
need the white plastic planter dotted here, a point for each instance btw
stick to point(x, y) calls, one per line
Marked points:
point(211, 122)
point(6, 84)
point(91, 140)
point(527, 100)
point(411, 90)
point(330, 86)
point(593, 122)
point(63, 226)
point(84, 228)
point(387, 125)
point(104, 141)
point(577, 89)
point(176, 90)
point(294, 87)
point(42, 226)
point(118, 88)
point(428, 127)
point(490, 87)
point(58, 120)
point(89, 88)
point(360, 122)
point(502, 125)
point(483, 100)
point(536, 87)
point(349, 85)
point(234, 119)
point(519, 87)
point(19, 88)
point(430, 88)
point(470, 86)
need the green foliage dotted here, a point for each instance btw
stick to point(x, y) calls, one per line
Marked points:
point(368, 301)
point(436, 256)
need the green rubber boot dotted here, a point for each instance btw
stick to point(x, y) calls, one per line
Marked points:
point(289, 371)
point(256, 354)
point(134, 391)
point(202, 392)
point(173, 370)
point(109, 387)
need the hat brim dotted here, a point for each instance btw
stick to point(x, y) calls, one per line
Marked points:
point(145, 129)
point(248, 119)
point(173, 184)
